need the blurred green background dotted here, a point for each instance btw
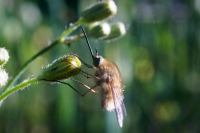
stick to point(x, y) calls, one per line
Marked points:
point(158, 57)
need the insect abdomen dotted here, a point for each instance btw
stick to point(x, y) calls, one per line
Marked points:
point(106, 97)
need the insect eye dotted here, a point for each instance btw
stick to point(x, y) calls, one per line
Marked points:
point(96, 61)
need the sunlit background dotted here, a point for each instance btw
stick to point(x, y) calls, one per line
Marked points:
point(158, 57)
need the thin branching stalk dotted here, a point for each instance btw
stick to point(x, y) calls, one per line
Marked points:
point(18, 87)
point(53, 44)
point(25, 66)
point(70, 29)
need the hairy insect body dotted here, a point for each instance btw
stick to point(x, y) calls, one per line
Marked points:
point(110, 78)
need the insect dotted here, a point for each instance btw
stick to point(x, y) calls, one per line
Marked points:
point(108, 79)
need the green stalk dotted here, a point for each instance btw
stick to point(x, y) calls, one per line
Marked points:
point(70, 29)
point(53, 44)
point(18, 87)
point(25, 66)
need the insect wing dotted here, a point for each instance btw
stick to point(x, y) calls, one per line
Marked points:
point(119, 105)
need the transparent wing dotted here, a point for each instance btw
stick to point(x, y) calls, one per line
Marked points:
point(120, 109)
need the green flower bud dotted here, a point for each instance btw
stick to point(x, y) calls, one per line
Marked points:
point(62, 68)
point(117, 30)
point(99, 11)
point(98, 30)
point(3, 77)
point(4, 56)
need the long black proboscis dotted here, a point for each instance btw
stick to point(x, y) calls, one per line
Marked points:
point(87, 42)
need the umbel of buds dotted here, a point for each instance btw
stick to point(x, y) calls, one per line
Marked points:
point(117, 30)
point(4, 56)
point(3, 77)
point(62, 68)
point(99, 11)
point(98, 30)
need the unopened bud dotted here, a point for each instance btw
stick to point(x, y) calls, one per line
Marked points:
point(64, 67)
point(99, 11)
point(4, 56)
point(117, 30)
point(3, 77)
point(98, 30)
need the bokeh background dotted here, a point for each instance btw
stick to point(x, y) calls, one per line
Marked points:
point(158, 57)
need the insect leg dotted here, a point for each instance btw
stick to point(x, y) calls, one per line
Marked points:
point(84, 85)
point(68, 85)
point(89, 75)
point(91, 89)
point(87, 65)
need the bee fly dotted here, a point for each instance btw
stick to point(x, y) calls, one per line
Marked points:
point(108, 78)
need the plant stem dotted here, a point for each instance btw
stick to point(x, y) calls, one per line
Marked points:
point(18, 87)
point(25, 66)
point(70, 39)
point(53, 44)
point(70, 29)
